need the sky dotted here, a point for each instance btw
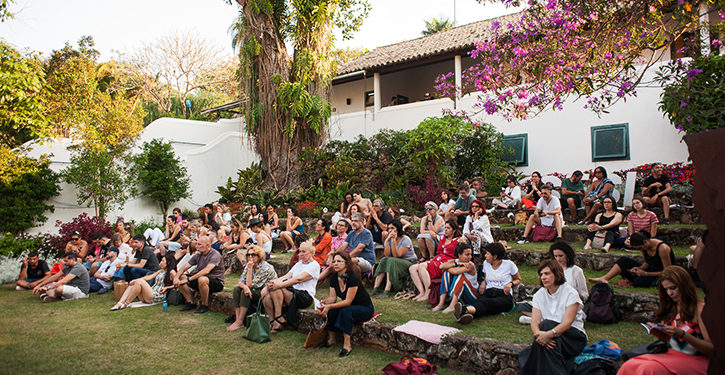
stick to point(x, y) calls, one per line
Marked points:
point(122, 26)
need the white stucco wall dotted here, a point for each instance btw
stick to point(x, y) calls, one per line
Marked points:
point(211, 152)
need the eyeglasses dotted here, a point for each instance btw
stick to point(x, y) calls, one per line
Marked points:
point(475, 206)
point(75, 238)
point(251, 255)
point(430, 209)
point(595, 172)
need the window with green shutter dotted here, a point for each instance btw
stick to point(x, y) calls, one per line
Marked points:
point(516, 149)
point(610, 142)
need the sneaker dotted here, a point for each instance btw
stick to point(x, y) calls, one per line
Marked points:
point(18, 287)
point(103, 290)
point(510, 216)
point(465, 318)
point(202, 309)
point(522, 241)
point(525, 319)
point(188, 307)
point(458, 309)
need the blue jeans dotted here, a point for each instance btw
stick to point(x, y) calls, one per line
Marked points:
point(343, 318)
point(132, 273)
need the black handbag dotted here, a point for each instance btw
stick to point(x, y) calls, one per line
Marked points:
point(656, 347)
point(174, 297)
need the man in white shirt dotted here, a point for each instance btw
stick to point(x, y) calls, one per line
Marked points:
point(548, 214)
point(102, 280)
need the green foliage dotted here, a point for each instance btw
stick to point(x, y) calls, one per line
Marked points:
point(435, 25)
point(277, 198)
point(304, 108)
point(249, 180)
point(694, 93)
point(22, 103)
point(25, 185)
point(479, 153)
point(140, 227)
point(161, 174)
point(15, 246)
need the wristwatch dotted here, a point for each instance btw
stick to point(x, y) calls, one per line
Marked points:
point(553, 330)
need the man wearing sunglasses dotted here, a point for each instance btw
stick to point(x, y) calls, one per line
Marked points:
point(77, 245)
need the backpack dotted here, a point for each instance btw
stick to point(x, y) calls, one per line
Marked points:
point(600, 307)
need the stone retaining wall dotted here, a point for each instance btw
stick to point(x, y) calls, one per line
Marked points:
point(584, 259)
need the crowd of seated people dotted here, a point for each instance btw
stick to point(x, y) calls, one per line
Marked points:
point(452, 234)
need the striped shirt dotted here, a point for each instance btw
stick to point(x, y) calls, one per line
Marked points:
point(640, 223)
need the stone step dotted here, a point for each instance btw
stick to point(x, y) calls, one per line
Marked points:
point(584, 259)
point(458, 352)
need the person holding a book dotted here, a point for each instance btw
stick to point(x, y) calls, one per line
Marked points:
point(682, 327)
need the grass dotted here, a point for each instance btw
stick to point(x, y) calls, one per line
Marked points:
point(84, 336)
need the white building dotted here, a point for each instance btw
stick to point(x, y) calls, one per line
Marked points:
point(211, 152)
point(633, 133)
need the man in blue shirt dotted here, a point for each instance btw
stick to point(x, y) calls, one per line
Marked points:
point(360, 243)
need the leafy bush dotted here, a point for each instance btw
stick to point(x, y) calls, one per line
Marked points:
point(249, 180)
point(25, 186)
point(479, 153)
point(85, 225)
point(140, 227)
point(14, 246)
point(161, 175)
point(307, 209)
point(693, 93)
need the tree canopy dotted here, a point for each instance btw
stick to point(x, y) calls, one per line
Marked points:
point(435, 25)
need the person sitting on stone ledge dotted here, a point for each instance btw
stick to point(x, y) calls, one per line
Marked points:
point(77, 245)
point(398, 256)
point(294, 227)
point(172, 234)
point(510, 195)
point(259, 236)
point(302, 237)
point(656, 190)
point(607, 221)
point(296, 289)
point(599, 188)
point(533, 190)
point(364, 205)
point(477, 229)
point(208, 278)
point(445, 209)
point(71, 283)
point(323, 241)
point(208, 217)
point(459, 281)
point(422, 273)
point(33, 269)
point(657, 255)
point(461, 208)
point(341, 228)
point(477, 188)
point(379, 220)
point(257, 272)
point(680, 313)
point(546, 220)
point(495, 292)
point(151, 288)
point(355, 305)
point(557, 322)
point(572, 192)
point(361, 245)
point(432, 226)
point(272, 223)
point(638, 219)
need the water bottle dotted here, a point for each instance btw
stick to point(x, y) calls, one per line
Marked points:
point(166, 306)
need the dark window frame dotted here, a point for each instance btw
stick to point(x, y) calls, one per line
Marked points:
point(523, 161)
point(624, 155)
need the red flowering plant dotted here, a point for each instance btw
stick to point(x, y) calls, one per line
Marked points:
point(306, 208)
point(86, 225)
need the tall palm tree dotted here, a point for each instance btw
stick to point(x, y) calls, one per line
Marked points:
point(435, 25)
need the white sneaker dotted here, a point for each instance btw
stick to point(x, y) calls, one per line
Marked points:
point(522, 241)
point(525, 319)
point(18, 287)
point(510, 216)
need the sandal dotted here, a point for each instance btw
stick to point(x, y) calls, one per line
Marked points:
point(279, 327)
point(119, 306)
point(408, 296)
point(399, 295)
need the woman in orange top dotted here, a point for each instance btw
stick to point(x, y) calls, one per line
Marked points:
point(323, 241)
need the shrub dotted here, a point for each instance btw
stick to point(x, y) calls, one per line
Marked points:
point(140, 228)
point(306, 209)
point(85, 225)
point(161, 175)
point(25, 186)
point(479, 153)
point(15, 246)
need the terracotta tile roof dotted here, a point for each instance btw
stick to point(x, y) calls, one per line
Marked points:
point(461, 37)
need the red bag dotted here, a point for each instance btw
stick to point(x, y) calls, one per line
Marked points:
point(409, 365)
point(542, 233)
point(434, 292)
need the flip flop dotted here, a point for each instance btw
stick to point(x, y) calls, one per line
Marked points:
point(400, 295)
point(407, 296)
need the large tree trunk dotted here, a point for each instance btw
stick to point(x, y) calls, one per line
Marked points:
point(278, 150)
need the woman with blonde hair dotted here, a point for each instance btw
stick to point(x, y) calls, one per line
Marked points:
point(248, 292)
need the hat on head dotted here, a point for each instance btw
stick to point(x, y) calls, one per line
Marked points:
point(253, 222)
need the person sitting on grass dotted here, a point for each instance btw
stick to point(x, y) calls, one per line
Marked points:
point(607, 221)
point(657, 255)
point(398, 256)
point(363, 204)
point(257, 272)
point(656, 190)
point(208, 278)
point(459, 281)
point(323, 241)
point(545, 220)
point(572, 191)
point(477, 229)
point(97, 252)
point(71, 283)
point(296, 289)
point(143, 263)
point(680, 313)
point(639, 219)
point(102, 279)
point(33, 269)
point(494, 294)
point(151, 288)
point(379, 220)
point(510, 195)
point(294, 227)
point(272, 224)
point(599, 188)
point(422, 273)
point(77, 245)
point(432, 226)
point(557, 322)
point(355, 305)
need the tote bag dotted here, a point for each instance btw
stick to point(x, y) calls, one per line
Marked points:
point(258, 329)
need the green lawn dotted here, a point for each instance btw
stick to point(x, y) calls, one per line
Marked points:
point(84, 337)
